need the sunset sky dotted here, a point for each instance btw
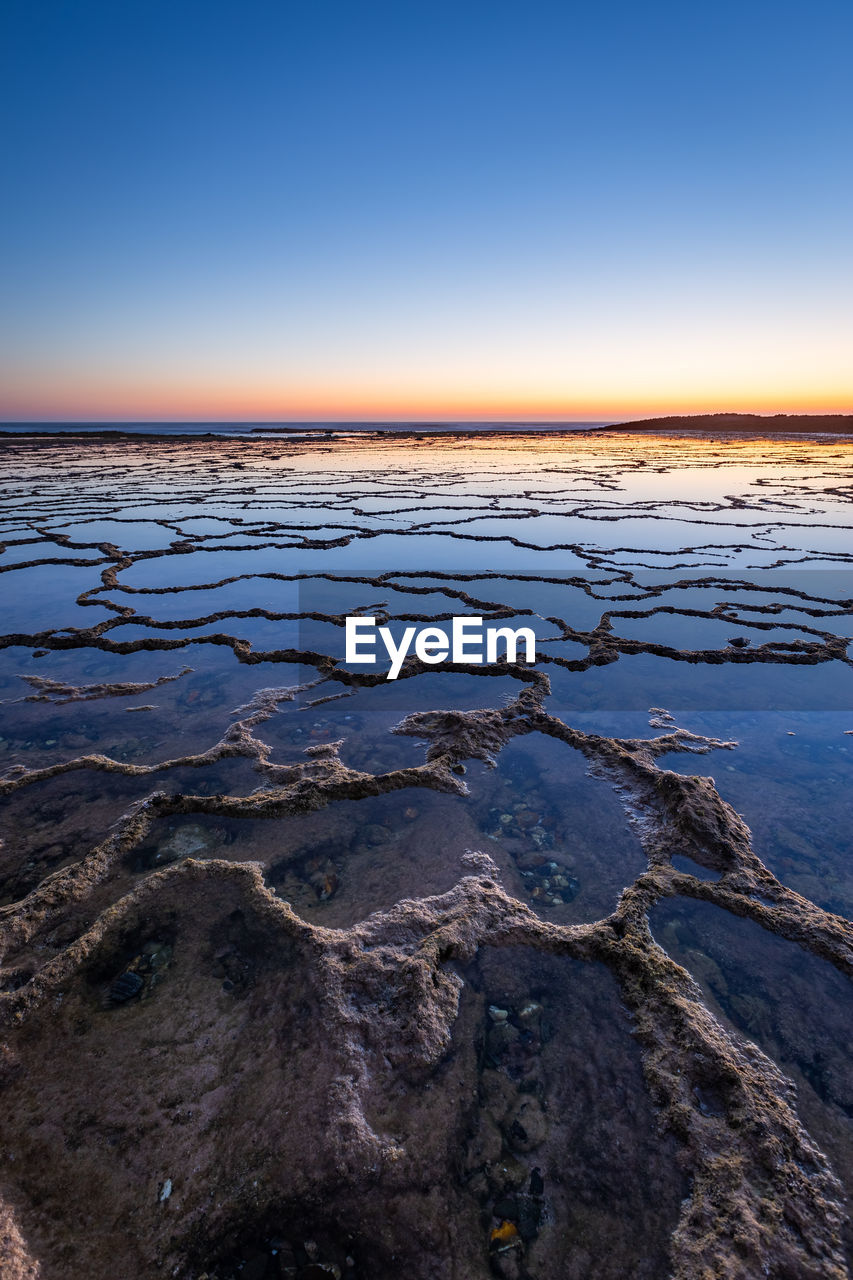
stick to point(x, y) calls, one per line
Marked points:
point(346, 209)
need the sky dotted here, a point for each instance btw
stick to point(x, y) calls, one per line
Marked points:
point(341, 209)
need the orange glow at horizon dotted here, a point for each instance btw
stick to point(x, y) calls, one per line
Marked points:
point(118, 400)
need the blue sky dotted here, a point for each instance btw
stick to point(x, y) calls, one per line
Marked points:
point(359, 209)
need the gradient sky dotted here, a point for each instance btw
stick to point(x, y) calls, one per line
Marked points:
point(341, 208)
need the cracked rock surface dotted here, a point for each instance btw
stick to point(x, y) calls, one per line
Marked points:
point(303, 973)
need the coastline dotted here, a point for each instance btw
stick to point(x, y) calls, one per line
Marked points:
point(711, 425)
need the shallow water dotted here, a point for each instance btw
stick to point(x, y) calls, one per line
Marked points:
point(304, 863)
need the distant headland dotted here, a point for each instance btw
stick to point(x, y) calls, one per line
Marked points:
point(751, 423)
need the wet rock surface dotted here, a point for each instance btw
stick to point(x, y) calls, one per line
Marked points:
point(325, 999)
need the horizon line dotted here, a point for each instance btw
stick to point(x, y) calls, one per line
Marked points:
point(434, 420)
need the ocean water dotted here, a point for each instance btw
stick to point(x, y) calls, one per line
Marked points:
point(475, 972)
point(312, 428)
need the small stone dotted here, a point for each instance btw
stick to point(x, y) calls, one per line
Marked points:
point(528, 1217)
point(125, 987)
point(184, 842)
point(165, 1190)
point(161, 959)
point(497, 1014)
point(526, 1126)
point(500, 1038)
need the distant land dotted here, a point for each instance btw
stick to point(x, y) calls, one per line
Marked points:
point(752, 423)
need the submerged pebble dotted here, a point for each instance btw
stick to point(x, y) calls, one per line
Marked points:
point(526, 1126)
point(125, 987)
point(501, 1037)
point(184, 842)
